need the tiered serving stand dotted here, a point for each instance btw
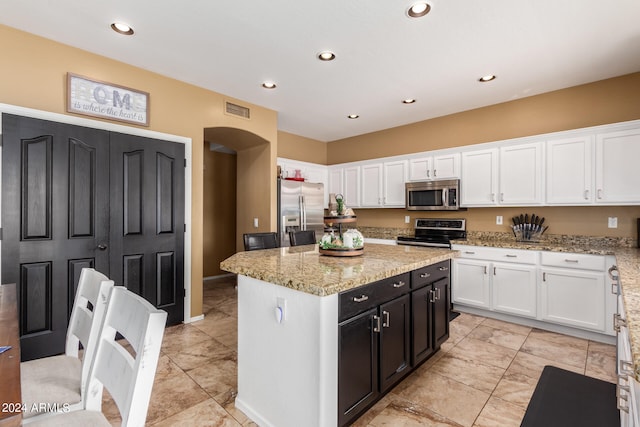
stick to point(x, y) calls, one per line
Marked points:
point(340, 220)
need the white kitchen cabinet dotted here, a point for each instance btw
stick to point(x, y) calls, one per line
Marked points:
point(479, 178)
point(335, 180)
point(383, 184)
point(514, 289)
point(569, 171)
point(311, 172)
point(345, 180)
point(521, 174)
point(471, 283)
point(617, 177)
point(627, 388)
point(443, 166)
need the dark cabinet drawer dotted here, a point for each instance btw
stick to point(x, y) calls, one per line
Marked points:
point(429, 274)
point(362, 298)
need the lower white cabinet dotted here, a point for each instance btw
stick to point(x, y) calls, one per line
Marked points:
point(514, 289)
point(573, 298)
point(627, 388)
point(565, 289)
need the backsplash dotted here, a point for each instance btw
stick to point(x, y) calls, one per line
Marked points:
point(565, 239)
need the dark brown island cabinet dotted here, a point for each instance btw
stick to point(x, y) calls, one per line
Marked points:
point(387, 329)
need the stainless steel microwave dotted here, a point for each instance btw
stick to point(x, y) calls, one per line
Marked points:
point(440, 195)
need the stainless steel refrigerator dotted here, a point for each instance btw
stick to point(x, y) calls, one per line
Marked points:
point(300, 207)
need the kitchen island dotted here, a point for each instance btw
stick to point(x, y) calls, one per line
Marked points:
point(288, 311)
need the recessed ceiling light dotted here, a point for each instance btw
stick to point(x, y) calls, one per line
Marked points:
point(269, 85)
point(408, 101)
point(353, 116)
point(487, 78)
point(122, 28)
point(418, 10)
point(326, 56)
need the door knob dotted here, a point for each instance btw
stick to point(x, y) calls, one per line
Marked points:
point(102, 246)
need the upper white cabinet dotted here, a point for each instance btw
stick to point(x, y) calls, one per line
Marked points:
point(521, 174)
point(569, 171)
point(509, 176)
point(382, 184)
point(479, 180)
point(346, 181)
point(617, 177)
point(444, 166)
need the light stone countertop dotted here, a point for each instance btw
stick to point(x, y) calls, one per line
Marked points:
point(304, 269)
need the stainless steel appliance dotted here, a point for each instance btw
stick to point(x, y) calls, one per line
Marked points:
point(439, 195)
point(300, 207)
point(435, 232)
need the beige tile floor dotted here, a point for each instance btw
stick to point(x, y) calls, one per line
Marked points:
point(484, 375)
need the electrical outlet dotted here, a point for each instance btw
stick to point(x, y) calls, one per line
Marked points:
point(499, 220)
point(407, 219)
point(255, 222)
point(613, 222)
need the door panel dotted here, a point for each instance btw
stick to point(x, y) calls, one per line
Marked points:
point(147, 220)
point(395, 341)
point(53, 220)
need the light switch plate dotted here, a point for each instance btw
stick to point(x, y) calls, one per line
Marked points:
point(255, 222)
point(499, 220)
point(407, 219)
point(613, 222)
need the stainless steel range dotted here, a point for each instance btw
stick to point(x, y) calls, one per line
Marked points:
point(435, 232)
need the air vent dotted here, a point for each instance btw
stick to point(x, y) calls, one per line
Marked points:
point(237, 110)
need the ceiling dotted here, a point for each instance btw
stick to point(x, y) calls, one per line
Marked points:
point(382, 55)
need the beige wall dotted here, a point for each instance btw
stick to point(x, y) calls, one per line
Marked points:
point(33, 75)
point(297, 147)
point(219, 213)
point(607, 101)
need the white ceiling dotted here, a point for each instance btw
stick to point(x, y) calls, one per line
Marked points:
point(232, 46)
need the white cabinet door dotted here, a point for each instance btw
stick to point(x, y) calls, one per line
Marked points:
point(420, 168)
point(617, 177)
point(569, 171)
point(479, 180)
point(395, 175)
point(471, 283)
point(573, 298)
point(521, 174)
point(351, 186)
point(335, 180)
point(446, 166)
point(371, 184)
point(514, 289)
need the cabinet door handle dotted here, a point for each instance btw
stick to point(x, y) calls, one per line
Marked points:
point(428, 173)
point(599, 193)
point(485, 269)
point(618, 322)
point(360, 298)
point(493, 197)
point(425, 275)
point(494, 271)
point(544, 277)
point(399, 284)
point(432, 295)
point(575, 261)
point(443, 268)
point(620, 399)
point(386, 323)
point(376, 323)
point(437, 293)
point(469, 253)
point(502, 197)
point(611, 270)
point(586, 194)
point(434, 173)
point(511, 256)
point(626, 368)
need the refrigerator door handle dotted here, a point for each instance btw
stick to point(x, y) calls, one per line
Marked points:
point(303, 214)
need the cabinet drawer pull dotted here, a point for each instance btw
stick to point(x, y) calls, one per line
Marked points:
point(425, 275)
point(511, 256)
point(360, 298)
point(376, 323)
point(611, 270)
point(443, 268)
point(386, 323)
point(399, 284)
point(469, 253)
point(626, 368)
point(571, 260)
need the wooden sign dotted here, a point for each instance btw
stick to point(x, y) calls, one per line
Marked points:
point(105, 100)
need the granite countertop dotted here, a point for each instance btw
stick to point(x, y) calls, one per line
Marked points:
point(303, 268)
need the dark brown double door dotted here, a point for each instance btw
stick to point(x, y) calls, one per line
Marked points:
point(75, 197)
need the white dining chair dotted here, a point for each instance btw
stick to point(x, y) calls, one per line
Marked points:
point(127, 374)
point(52, 382)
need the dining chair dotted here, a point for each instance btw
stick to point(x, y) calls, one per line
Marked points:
point(254, 241)
point(126, 372)
point(60, 380)
point(305, 237)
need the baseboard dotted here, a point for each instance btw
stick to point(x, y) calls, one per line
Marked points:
point(195, 318)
